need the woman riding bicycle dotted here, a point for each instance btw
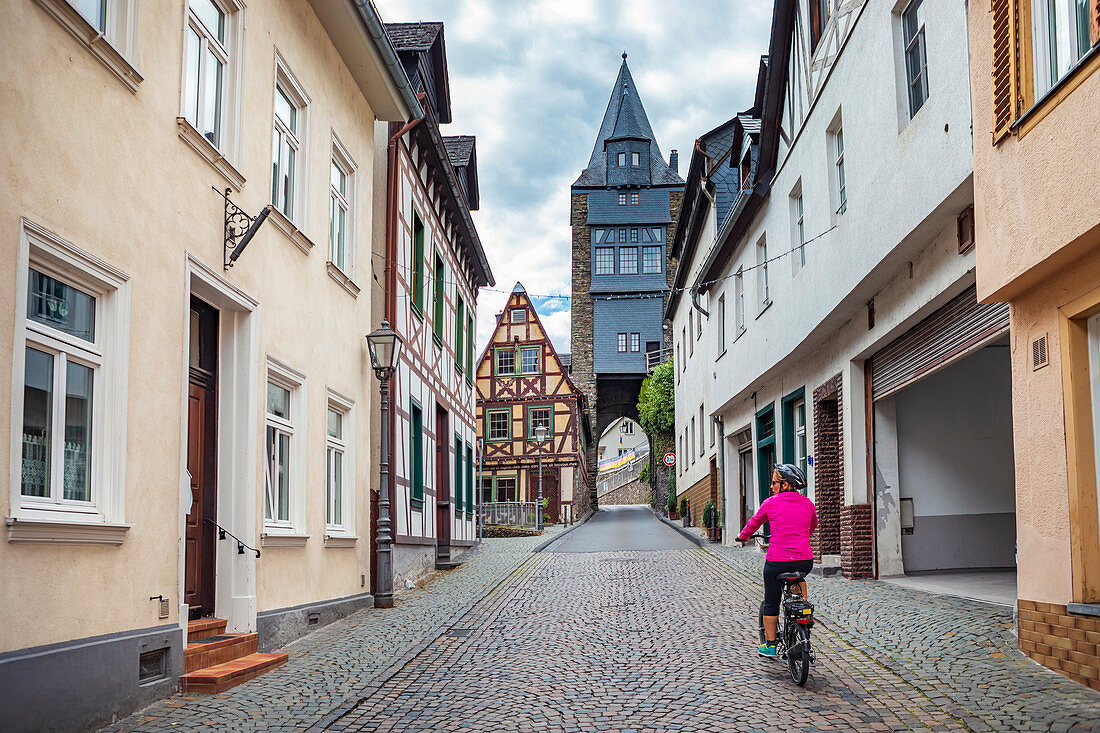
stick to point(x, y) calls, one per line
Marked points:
point(792, 519)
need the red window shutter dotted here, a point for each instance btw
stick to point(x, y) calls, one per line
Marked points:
point(1003, 15)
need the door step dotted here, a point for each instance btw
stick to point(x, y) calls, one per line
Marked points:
point(202, 628)
point(447, 564)
point(214, 650)
point(227, 675)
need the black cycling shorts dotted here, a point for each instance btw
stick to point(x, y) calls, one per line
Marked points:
point(773, 588)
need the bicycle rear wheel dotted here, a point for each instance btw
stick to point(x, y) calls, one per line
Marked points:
point(760, 618)
point(798, 654)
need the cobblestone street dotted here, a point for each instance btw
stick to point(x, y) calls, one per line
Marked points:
point(642, 641)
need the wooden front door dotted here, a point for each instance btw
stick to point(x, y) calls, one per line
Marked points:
point(202, 413)
point(442, 484)
point(551, 490)
point(744, 459)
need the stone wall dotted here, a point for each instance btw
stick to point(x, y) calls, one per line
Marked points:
point(635, 492)
point(828, 466)
point(580, 341)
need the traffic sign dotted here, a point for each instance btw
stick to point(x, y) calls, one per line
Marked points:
point(670, 459)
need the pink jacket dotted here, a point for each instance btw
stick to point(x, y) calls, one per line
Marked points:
point(792, 519)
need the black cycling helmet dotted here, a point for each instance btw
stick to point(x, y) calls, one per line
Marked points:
point(792, 474)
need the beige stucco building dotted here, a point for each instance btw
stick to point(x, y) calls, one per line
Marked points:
point(159, 396)
point(1037, 210)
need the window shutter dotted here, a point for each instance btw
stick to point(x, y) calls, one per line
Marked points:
point(1003, 14)
point(1094, 25)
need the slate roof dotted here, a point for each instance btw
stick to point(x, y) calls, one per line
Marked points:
point(625, 118)
point(413, 36)
point(459, 149)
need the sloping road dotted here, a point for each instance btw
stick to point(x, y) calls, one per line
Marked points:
point(626, 528)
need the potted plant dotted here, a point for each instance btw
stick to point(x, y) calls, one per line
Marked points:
point(711, 522)
point(684, 511)
point(670, 504)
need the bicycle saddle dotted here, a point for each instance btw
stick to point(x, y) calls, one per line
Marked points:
point(791, 577)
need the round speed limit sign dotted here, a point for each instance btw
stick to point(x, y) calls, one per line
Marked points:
point(670, 459)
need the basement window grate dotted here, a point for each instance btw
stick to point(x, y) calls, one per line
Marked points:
point(1039, 356)
point(152, 666)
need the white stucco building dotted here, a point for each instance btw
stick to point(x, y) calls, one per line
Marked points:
point(852, 342)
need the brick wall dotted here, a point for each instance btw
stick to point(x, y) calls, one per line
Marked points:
point(856, 539)
point(1064, 642)
point(828, 466)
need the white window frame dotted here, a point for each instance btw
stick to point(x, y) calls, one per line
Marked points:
point(292, 530)
point(342, 160)
point(917, 41)
point(101, 520)
point(721, 324)
point(739, 302)
point(113, 45)
point(635, 160)
point(295, 93)
point(342, 534)
point(208, 41)
point(622, 160)
point(798, 228)
point(702, 431)
point(520, 312)
point(800, 450)
point(763, 294)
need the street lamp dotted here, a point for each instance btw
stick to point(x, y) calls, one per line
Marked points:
point(384, 346)
point(541, 433)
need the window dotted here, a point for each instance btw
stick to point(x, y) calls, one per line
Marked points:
point(819, 16)
point(339, 466)
point(633, 236)
point(622, 199)
point(107, 28)
point(506, 488)
point(470, 347)
point(721, 323)
point(458, 475)
point(205, 59)
point(762, 273)
point(628, 260)
point(702, 430)
point(634, 202)
point(635, 343)
point(460, 324)
point(518, 315)
point(916, 59)
point(691, 330)
point(622, 236)
point(284, 478)
point(622, 343)
point(699, 326)
point(691, 440)
point(418, 264)
point(626, 427)
point(540, 416)
point(530, 358)
point(605, 260)
point(487, 490)
point(622, 159)
point(651, 260)
point(1060, 37)
point(635, 160)
point(838, 165)
point(800, 434)
point(286, 153)
point(798, 227)
point(739, 302)
point(341, 198)
point(506, 362)
point(437, 316)
point(469, 479)
point(94, 11)
point(683, 340)
point(500, 425)
point(416, 455)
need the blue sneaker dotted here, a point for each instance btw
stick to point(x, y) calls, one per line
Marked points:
point(767, 650)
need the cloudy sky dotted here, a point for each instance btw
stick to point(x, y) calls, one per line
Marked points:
point(532, 78)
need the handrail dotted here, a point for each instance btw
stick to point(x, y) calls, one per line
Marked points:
point(222, 532)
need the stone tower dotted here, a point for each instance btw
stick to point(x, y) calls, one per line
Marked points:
point(623, 210)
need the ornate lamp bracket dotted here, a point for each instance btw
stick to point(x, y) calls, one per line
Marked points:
point(239, 229)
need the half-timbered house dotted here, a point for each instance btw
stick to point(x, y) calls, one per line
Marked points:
point(521, 384)
point(434, 266)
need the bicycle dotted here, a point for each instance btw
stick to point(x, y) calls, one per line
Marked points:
point(796, 618)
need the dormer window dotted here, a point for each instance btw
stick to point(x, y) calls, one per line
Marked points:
point(635, 159)
point(622, 199)
point(518, 315)
point(622, 159)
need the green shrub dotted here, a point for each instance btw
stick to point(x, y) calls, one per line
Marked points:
point(710, 514)
point(683, 507)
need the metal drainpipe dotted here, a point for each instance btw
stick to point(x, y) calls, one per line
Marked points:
point(721, 473)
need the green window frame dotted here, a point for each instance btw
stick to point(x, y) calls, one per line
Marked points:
point(496, 362)
point(460, 323)
point(531, 420)
point(507, 412)
point(526, 351)
point(458, 474)
point(437, 315)
point(790, 436)
point(416, 455)
point(418, 264)
point(469, 480)
point(470, 346)
point(765, 448)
